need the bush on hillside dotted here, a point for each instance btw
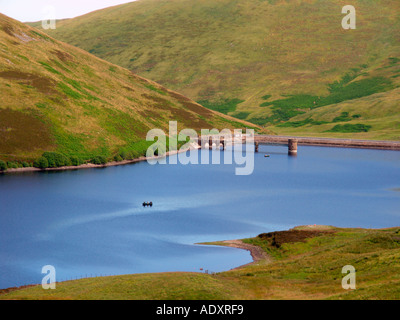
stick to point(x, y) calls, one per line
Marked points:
point(12, 165)
point(75, 161)
point(56, 160)
point(41, 163)
point(99, 160)
point(3, 166)
point(350, 128)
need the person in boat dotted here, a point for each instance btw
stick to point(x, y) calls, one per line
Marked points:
point(147, 204)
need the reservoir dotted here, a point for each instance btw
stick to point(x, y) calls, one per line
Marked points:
point(91, 222)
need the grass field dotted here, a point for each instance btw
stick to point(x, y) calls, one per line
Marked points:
point(306, 263)
point(269, 62)
point(58, 98)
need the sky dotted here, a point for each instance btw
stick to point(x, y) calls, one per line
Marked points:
point(37, 10)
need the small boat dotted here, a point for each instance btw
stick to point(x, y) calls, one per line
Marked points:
point(147, 204)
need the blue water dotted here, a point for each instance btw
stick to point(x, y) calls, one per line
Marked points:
point(91, 222)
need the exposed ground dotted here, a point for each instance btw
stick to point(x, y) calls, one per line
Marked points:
point(256, 252)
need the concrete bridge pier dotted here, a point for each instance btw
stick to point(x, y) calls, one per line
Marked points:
point(222, 142)
point(293, 147)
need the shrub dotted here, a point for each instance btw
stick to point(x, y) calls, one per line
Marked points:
point(266, 97)
point(159, 150)
point(123, 154)
point(75, 161)
point(344, 116)
point(349, 128)
point(296, 124)
point(129, 156)
point(118, 158)
point(3, 166)
point(12, 165)
point(224, 106)
point(56, 160)
point(136, 154)
point(241, 115)
point(26, 164)
point(99, 160)
point(41, 163)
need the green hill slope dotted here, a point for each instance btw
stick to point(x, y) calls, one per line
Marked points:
point(264, 61)
point(57, 98)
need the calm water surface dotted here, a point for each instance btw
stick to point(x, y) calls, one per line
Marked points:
point(91, 222)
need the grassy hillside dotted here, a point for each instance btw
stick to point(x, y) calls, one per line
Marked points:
point(271, 62)
point(306, 263)
point(57, 98)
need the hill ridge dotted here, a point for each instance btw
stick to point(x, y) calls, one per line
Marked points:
point(229, 55)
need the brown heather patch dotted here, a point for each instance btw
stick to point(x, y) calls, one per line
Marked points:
point(7, 28)
point(197, 108)
point(8, 290)
point(23, 132)
point(189, 120)
point(161, 102)
point(162, 88)
point(184, 117)
point(187, 103)
point(178, 96)
point(43, 85)
point(149, 113)
point(129, 89)
point(58, 101)
point(280, 237)
point(63, 56)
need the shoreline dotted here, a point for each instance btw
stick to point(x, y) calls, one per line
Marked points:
point(262, 139)
point(257, 253)
point(94, 166)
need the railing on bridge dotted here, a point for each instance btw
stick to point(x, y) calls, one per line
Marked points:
point(211, 141)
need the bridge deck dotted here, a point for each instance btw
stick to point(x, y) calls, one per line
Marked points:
point(330, 142)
